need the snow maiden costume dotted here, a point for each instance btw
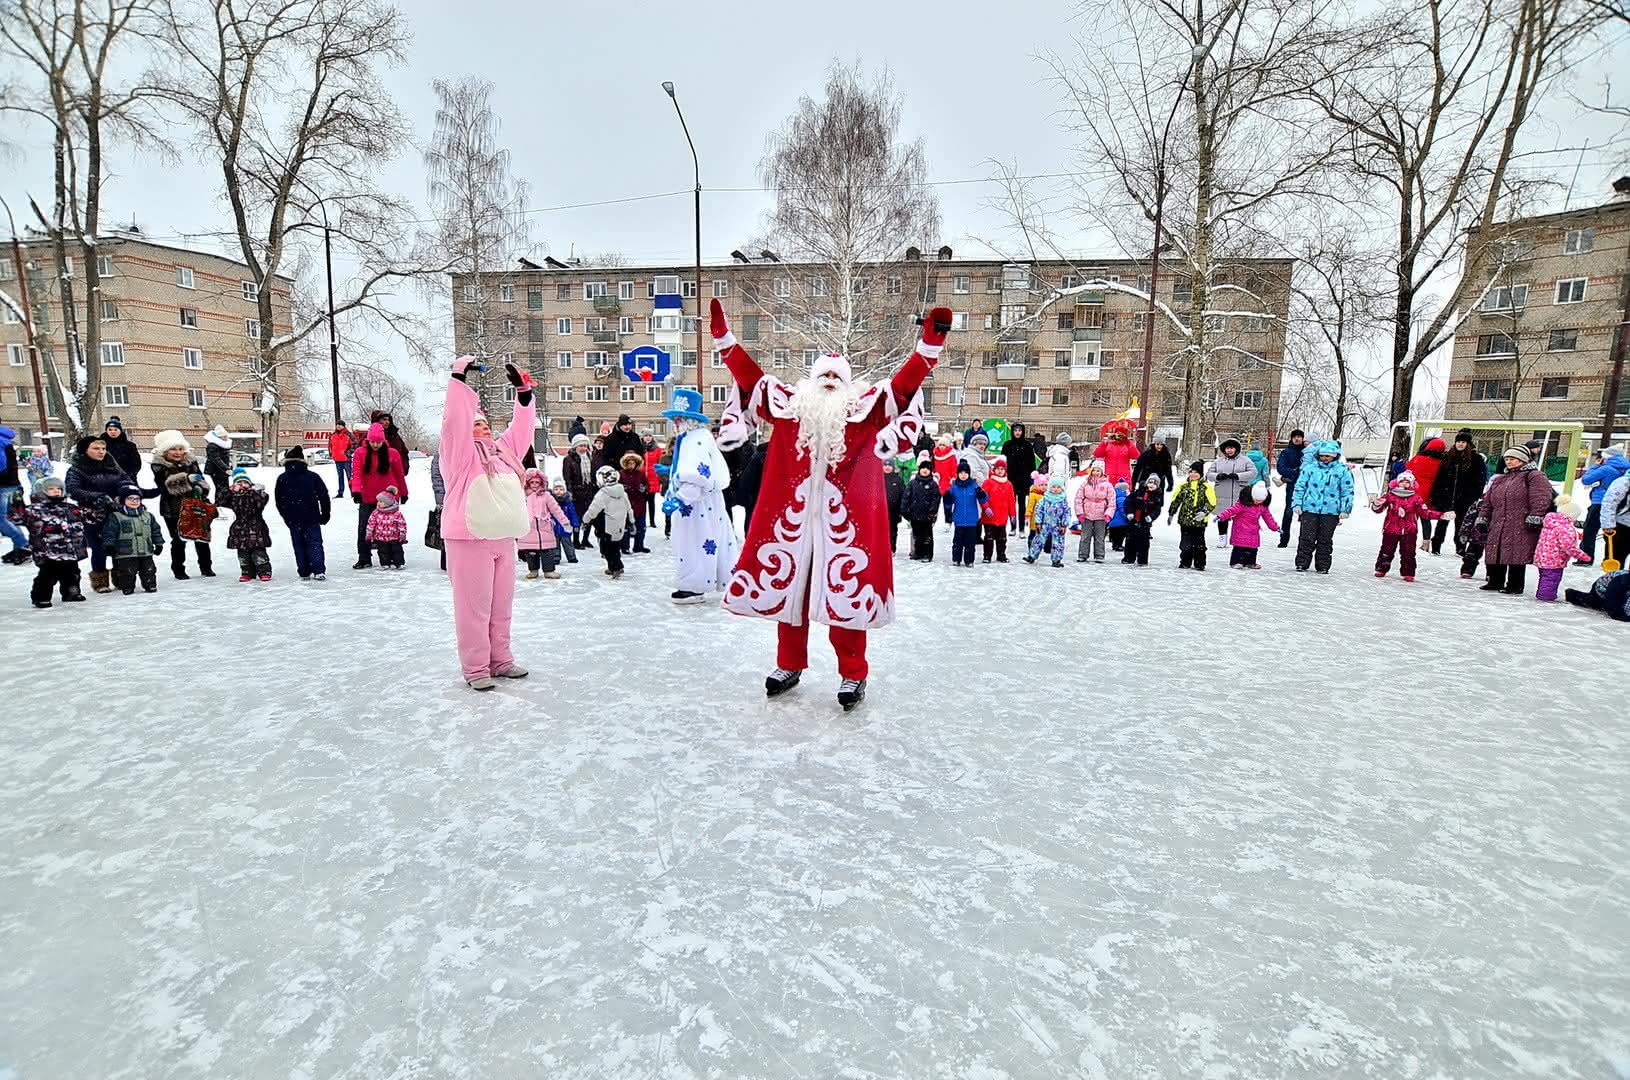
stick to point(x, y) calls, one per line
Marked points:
point(704, 538)
point(483, 514)
point(818, 546)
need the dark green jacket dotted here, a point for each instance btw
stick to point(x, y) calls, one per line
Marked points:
point(131, 536)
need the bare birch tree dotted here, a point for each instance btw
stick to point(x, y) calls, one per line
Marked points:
point(66, 57)
point(850, 198)
point(286, 101)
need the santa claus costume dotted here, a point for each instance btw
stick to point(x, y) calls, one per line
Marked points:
point(704, 540)
point(1116, 450)
point(818, 546)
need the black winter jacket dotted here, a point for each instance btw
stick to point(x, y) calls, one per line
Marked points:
point(921, 501)
point(1156, 461)
point(126, 453)
point(1021, 462)
point(301, 496)
point(1459, 483)
point(94, 485)
point(894, 490)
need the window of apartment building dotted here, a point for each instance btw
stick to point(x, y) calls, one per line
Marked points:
point(1563, 340)
point(1029, 395)
point(749, 327)
point(1061, 396)
point(16, 355)
point(781, 324)
point(110, 311)
point(896, 285)
point(782, 287)
point(653, 394)
point(509, 326)
point(954, 395)
point(23, 396)
point(471, 294)
point(563, 393)
point(1013, 314)
point(1496, 344)
point(1570, 290)
point(1143, 283)
point(625, 324)
point(115, 395)
point(1108, 359)
point(1491, 389)
point(189, 318)
point(595, 324)
point(1069, 281)
point(1099, 399)
point(662, 285)
point(931, 290)
point(1140, 320)
point(11, 317)
point(1254, 324)
point(594, 290)
point(1015, 277)
point(112, 353)
point(1061, 357)
point(595, 359)
point(474, 327)
point(1505, 298)
point(534, 298)
point(506, 294)
point(563, 291)
point(817, 286)
point(1066, 320)
point(625, 392)
point(993, 395)
point(959, 320)
point(625, 290)
point(993, 283)
point(104, 265)
point(1182, 291)
point(192, 359)
point(183, 276)
point(778, 359)
point(1249, 361)
point(596, 393)
point(251, 329)
point(1553, 388)
point(195, 397)
point(721, 288)
point(961, 283)
point(687, 289)
point(809, 359)
point(563, 359)
point(956, 358)
point(1250, 399)
point(717, 360)
point(1214, 323)
point(687, 325)
point(1578, 241)
point(535, 331)
point(563, 325)
point(509, 395)
point(718, 392)
point(1171, 400)
point(987, 358)
point(687, 358)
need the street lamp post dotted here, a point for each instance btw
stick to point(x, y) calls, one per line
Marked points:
point(333, 327)
point(1195, 57)
point(696, 164)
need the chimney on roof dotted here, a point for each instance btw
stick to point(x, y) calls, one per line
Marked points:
point(554, 264)
point(945, 253)
point(528, 264)
point(739, 257)
point(769, 256)
point(913, 254)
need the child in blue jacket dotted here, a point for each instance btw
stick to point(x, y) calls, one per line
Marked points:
point(1117, 520)
point(566, 504)
point(963, 498)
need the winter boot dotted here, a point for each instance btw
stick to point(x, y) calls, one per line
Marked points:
point(101, 581)
point(552, 575)
point(363, 564)
point(481, 682)
point(71, 593)
point(681, 596)
point(851, 693)
point(244, 577)
point(780, 681)
point(511, 671)
point(531, 575)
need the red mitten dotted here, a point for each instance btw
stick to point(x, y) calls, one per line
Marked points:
point(936, 326)
point(716, 320)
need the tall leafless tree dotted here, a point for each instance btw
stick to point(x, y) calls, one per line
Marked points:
point(287, 103)
point(67, 60)
point(850, 198)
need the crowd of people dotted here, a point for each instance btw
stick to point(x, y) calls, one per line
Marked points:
point(1500, 512)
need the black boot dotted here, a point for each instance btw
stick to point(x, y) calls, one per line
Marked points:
point(680, 596)
point(780, 681)
point(851, 693)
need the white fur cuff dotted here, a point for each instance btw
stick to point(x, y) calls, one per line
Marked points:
point(726, 342)
point(932, 352)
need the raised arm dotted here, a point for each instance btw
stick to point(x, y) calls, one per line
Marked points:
point(457, 446)
point(743, 368)
point(920, 363)
point(518, 436)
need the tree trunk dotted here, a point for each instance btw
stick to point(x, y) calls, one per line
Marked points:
point(1194, 378)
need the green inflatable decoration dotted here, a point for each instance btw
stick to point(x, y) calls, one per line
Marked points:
point(998, 432)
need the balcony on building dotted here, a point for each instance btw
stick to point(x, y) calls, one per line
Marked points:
point(1086, 358)
point(605, 337)
point(606, 304)
point(1011, 371)
point(1089, 298)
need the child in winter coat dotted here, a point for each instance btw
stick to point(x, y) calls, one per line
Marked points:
point(546, 521)
point(632, 477)
point(131, 536)
point(964, 501)
point(611, 516)
point(1193, 502)
point(302, 502)
point(1094, 503)
point(1142, 511)
point(1047, 526)
point(921, 505)
point(1558, 542)
point(894, 491)
point(1404, 508)
point(387, 529)
point(1117, 520)
point(38, 465)
point(1473, 536)
point(998, 512)
point(56, 537)
point(1246, 519)
point(248, 535)
point(569, 508)
point(1609, 594)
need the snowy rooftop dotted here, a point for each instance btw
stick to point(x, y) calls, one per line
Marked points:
point(1090, 822)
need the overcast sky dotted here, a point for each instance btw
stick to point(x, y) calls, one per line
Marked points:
point(585, 118)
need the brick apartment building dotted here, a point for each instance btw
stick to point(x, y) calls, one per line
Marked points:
point(1539, 345)
point(1018, 351)
point(177, 330)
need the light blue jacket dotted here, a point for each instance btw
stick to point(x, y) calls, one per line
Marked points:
point(1322, 488)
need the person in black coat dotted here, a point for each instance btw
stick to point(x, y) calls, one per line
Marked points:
point(1459, 483)
point(1156, 460)
point(302, 502)
point(622, 440)
point(921, 506)
point(577, 470)
point(925, 443)
point(894, 492)
point(123, 449)
point(752, 478)
point(393, 437)
point(93, 481)
point(1021, 462)
point(579, 427)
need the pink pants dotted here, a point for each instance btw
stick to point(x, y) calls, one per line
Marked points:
point(483, 576)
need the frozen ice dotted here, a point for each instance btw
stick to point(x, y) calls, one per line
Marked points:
point(1090, 822)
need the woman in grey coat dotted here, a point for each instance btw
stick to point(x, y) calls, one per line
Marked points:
point(1232, 473)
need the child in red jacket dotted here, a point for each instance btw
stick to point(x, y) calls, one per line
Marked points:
point(1000, 510)
point(1404, 508)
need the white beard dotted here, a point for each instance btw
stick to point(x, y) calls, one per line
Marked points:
point(823, 418)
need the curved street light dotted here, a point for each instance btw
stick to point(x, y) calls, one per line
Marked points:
point(668, 88)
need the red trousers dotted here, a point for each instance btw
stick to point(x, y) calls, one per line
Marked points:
point(792, 649)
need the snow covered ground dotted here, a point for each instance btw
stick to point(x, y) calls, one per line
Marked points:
point(1090, 822)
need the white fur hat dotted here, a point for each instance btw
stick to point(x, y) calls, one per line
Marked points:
point(168, 440)
point(834, 364)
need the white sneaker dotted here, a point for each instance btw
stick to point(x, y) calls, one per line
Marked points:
point(513, 671)
point(319, 577)
point(481, 683)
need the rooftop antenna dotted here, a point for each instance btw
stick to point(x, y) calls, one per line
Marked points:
point(1567, 198)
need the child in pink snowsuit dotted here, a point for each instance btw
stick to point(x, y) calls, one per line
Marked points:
point(387, 529)
point(1558, 543)
point(1247, 516)
point(482, 515)
point(543, 513)
point(1404, 508)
